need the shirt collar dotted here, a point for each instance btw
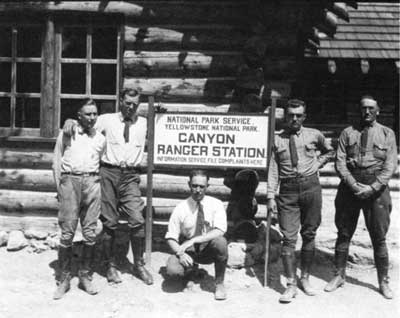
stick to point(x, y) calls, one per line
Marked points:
point(289, 132)
point(90, 133)
point(122, 119)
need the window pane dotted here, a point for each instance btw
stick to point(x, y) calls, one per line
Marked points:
point(74, 42)
point(5, 42)
point(105, 106)
point(28, 77)
point(5, 112)
point(104, 79)
point(27, 112)
point(5, 77)
point(29, 42)
point(104, 43)
point(69, 109)
point(73, 78)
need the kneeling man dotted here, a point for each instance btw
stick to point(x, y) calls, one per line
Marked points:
point(195, 233)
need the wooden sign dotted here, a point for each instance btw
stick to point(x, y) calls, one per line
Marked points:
point(211, 140)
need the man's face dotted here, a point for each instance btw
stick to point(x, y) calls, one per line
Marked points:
point(87, 116)
point(369, 110)
point(198, 186)
point(129, 105)
point(295, 117)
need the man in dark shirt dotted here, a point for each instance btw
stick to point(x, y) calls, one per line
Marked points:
point(366, 159)
point(294, 164)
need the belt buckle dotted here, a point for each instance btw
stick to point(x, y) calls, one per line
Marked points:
point(123, 165)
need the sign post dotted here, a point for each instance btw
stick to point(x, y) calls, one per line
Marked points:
point(150, 167)
point(270, 142)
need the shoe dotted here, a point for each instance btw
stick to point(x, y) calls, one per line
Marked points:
point(220, 292)
point(306, 286)
point(63, 287)
point(335, 283)
point(385, 289)
point(142, 273)
point(289, 294)
point(189, 286)
point(85, 282)
point(113, 275)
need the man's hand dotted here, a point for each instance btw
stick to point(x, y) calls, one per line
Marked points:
point(273, 209)
point(69, 128)
point(357, 187)
point(185, 260)
point(365, 192)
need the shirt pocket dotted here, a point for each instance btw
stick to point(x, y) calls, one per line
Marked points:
point(310, 150)
point(379, 151)
point(352, 150)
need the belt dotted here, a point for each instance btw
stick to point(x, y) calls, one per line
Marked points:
point(126, 168)
point(371, 171)
point(299, 178)
point(80, 174)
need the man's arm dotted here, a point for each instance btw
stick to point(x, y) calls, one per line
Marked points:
point(341, 162)
point(390, 164)
point(327, 151)
point(58, 153)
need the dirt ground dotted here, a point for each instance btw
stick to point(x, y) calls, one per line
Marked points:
point(27, 284)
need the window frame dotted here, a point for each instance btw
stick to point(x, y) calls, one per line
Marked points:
point(51, 60)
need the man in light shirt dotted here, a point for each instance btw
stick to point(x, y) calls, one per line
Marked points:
point(76, 173)
point(125, 134)
point(196, 234)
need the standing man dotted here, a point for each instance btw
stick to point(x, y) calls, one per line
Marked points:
point(125, 134)
point(294, 164)
point(365, 161)
point(196, 233)
point(76, 173)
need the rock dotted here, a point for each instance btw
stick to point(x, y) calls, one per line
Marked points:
point(239, 254)
point(35, 234)
point(53, 241)
point(16, 241)
point(39, 247)
point(3, 238)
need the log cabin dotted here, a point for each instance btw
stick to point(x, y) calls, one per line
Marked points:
point(193, 56)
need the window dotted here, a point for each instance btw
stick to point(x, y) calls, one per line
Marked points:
point(20, 69)
point(49, 67)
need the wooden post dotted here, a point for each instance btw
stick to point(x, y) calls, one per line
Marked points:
point(270, 143)
point(150, 166)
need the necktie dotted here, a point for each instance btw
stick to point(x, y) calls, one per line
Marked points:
point(200, 220)
point(293, 151)
point(127, 122)
point(364, 140)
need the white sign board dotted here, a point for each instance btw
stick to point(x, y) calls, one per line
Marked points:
point(211, 140)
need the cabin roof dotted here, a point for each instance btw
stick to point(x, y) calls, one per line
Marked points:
point(373, 32)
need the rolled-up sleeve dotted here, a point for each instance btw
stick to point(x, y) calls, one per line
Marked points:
point(173, 232)
point(220, 216)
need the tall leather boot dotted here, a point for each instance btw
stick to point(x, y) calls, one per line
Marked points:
point(307, 258)
point(382, 268)
point(340, 274)
point(85, 277)
point(289, 265)
point(139, 270)
point(109, 257)
point(220, 292)
point(64, 263)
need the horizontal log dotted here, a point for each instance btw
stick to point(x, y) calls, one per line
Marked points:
point(188, 90)
point(183, 37)
point(181, 64)
point(155, 11)
point(224, 38)
point(29, 222)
